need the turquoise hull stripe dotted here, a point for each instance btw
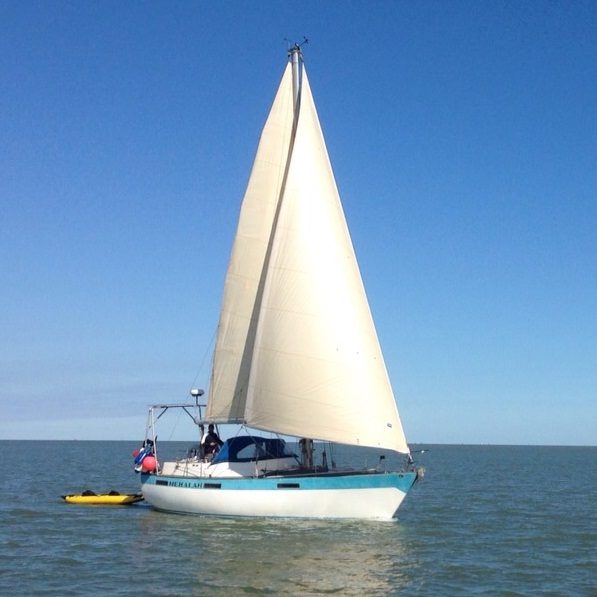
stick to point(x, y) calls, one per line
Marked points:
point(401, 481)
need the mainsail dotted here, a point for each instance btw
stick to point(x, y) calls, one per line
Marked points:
point(297, 352)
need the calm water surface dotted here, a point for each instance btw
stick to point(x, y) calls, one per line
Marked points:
point(486, 520)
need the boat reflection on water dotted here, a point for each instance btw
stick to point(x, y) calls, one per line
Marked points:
point(233, 555)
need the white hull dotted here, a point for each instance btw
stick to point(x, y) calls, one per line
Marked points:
point(374, 503)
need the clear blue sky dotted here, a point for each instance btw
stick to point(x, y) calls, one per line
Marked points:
point(464, 141)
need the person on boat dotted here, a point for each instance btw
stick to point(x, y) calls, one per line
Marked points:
point(306, 446)
point(210, 443)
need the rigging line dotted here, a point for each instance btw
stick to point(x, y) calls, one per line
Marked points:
point(207, 351)
point(173, 429)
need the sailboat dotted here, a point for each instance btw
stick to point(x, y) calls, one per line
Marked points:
point(296, 353)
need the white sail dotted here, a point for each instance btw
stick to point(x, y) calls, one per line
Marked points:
point(297, 352)
point(236, 330)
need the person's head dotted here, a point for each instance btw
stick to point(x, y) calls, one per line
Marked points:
point(210, 427)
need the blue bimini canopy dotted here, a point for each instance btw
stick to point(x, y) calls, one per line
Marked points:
point(251, 447)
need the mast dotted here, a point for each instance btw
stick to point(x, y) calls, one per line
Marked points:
point(296, 57)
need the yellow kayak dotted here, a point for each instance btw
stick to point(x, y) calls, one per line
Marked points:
point(105, 499)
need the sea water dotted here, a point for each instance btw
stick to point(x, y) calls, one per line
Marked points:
point(485, 520)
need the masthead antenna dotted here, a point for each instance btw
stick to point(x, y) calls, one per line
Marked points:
point(295, 48)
